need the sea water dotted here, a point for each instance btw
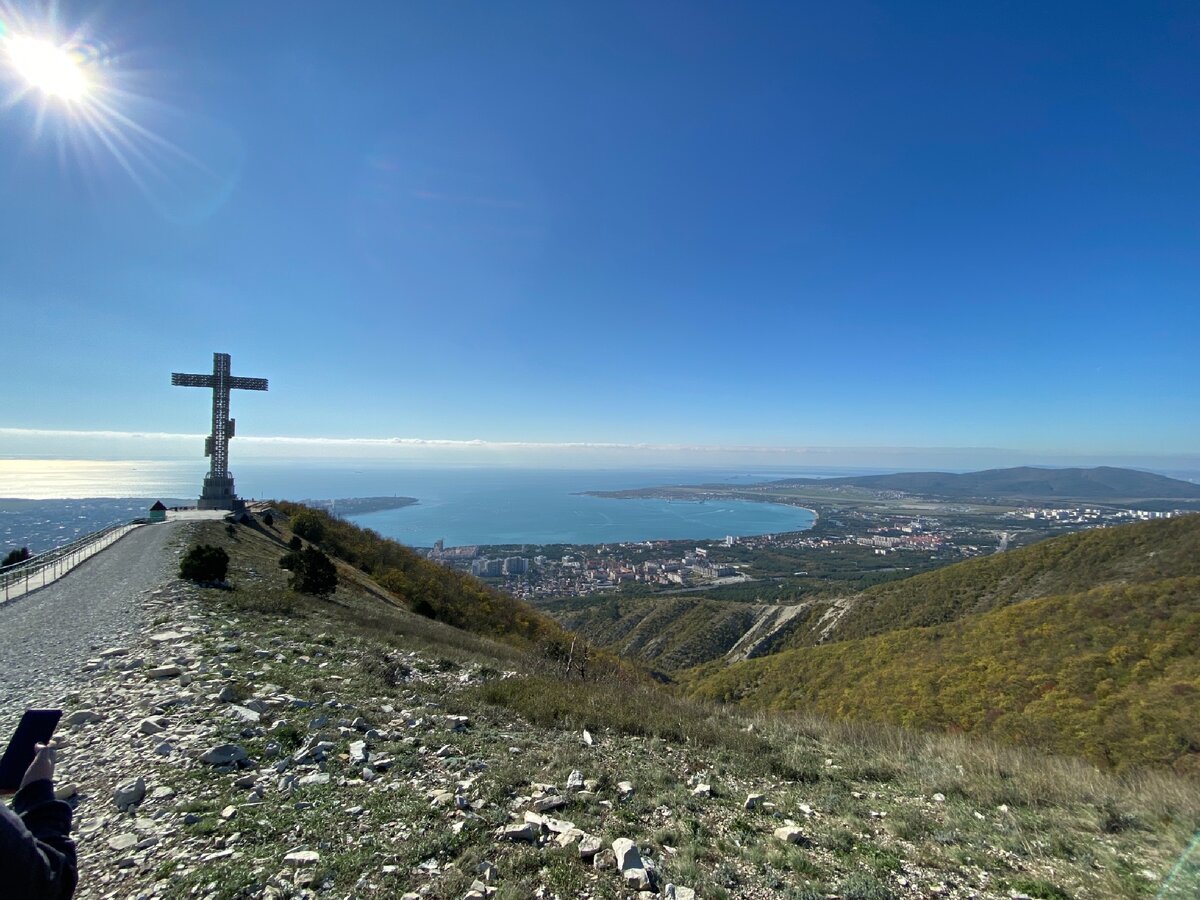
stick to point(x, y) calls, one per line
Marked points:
point(468, 505)
point(539, 507)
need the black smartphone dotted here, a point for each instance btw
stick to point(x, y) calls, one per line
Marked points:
point(37, 727)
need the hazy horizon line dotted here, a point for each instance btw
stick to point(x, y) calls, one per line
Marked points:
point(52, 443)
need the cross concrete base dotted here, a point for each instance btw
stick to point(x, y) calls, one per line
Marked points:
point(218, 494)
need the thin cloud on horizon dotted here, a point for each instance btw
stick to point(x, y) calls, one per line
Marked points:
point(56, 442)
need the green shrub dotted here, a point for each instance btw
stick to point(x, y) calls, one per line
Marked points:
point(204, 563)
point(15, 557)
point(309, 526)
point(312, 572)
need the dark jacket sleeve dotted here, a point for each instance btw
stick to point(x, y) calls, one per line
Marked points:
point(37, 856)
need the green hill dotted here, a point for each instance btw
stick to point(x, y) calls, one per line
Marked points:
point(678, 632)
point(671, 633)
point(1083, 644)
point(426, 588)
point(1102, 483)
point(1137, 553)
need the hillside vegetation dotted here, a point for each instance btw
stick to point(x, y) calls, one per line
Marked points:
point(675, 632)
point(426, 588)
point(1105, 664)
point(680, 631)
point(1136, 554)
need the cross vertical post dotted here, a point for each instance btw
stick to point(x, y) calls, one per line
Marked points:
point(218, 490)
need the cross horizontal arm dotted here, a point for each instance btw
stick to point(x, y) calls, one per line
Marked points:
point(249, 384)
point(181, 380)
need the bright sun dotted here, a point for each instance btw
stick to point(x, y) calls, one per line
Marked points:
point(54, 71)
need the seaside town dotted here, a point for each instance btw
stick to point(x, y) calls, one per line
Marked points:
point(556, 571)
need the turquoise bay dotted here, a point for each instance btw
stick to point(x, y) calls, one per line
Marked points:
point(489, 506)
point(460, 506)
point(583, 520)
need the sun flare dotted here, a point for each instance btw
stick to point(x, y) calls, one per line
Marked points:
point(55, 71)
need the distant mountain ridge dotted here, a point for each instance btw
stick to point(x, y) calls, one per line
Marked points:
point(1023, 482)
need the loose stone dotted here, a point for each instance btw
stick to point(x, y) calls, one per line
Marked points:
point(130, 794)
point(225, 755)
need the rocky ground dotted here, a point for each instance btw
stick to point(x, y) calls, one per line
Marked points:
point(215, 752)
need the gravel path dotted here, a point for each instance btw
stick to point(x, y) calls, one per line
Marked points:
point(46, 637)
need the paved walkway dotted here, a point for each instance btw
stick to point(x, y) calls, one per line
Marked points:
point(48, 635)
point(41, 577)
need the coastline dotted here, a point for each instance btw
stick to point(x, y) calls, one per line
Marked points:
point(357, 506)
point(699, 494)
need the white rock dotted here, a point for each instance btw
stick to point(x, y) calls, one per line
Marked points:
point(225, 755)
point(627, 855)
point(123, 841)
point(589, 846)
point(130, 794)
point(154, 725)
point(302, 858)
point(244, 714)
point(637, 879)
point(558, 826)
point(524, 831)
point(789, 834)
point(82, 717)
point(546, 804)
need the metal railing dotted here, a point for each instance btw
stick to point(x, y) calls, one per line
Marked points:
point(39, 571)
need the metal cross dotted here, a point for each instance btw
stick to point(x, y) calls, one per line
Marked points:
point(217, 444)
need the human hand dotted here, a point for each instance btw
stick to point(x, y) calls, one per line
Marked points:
point(42, 765)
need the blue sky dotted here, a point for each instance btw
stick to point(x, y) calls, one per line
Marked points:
point(735, 225)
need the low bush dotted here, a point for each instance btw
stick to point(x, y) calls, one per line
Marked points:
point(312, 572)
point(16, 556)
point(204, 563)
